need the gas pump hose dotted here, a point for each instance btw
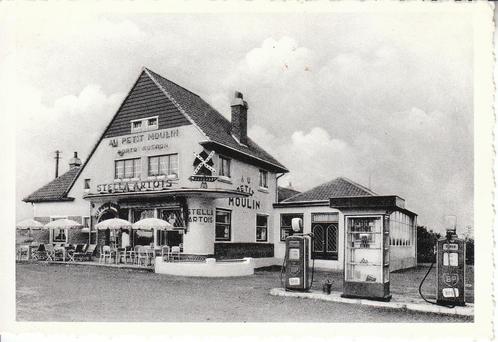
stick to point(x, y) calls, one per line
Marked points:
point(428, 301)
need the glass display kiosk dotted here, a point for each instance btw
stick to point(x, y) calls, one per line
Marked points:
point(366, 262)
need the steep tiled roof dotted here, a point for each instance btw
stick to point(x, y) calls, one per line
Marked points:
point(339, 187)
point(56, 189)
point(213, 124)
point(215, 127)
point(284, 193)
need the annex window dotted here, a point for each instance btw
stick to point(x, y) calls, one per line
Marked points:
point(401, 227)
point(163, 165)
point(261, 228)
point(224, 167)
point(286, 225)
point(127, 168)
point(145, 124)
point(223, 225)
point(263, 178)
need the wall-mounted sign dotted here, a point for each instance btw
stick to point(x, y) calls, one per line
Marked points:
point(137, 186)
point(144, 137)
point(203, 168)
point(201, 215)
point(250, 202)
point(155, 147)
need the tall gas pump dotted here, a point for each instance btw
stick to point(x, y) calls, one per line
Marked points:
point(450, 271)
point(296, 264)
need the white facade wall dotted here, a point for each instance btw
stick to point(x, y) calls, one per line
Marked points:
point(78, 207)
point(100, 168)
point(244, 210)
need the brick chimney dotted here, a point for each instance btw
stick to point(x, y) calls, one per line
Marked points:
point(75, 161)
point(239, 118)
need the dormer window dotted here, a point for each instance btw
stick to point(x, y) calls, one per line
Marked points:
point(152, 123)
point(145, 124)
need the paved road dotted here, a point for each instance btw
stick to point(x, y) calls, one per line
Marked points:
point(88, 293)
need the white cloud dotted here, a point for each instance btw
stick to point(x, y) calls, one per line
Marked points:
point(71, 123)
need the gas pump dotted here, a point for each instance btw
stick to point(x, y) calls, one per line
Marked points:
point(297, 260)
point(450, 271)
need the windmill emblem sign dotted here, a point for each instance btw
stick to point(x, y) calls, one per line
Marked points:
point(203, 169)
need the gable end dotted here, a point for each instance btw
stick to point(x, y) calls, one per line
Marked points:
point(145, 100)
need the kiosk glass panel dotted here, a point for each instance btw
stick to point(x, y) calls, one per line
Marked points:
point(364, 252)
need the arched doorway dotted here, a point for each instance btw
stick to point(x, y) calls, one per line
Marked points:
point(105, 212)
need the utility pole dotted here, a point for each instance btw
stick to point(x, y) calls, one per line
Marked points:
point(57, 157)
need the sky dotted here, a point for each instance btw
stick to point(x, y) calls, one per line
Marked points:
point(384, 99)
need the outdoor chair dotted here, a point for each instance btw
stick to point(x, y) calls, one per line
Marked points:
point(120, 254)
point(23, 251)
point(59, 253)
point(72, 252)
point(129, 255)
point(87, 254)
point(175, 253)
point(151, 255)
point(49, 252)
point(106, 253)
point(39, 252)
point(165, 251)
point(142, 256)
point(135, 253)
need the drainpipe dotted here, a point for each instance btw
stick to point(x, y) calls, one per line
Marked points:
point(276, 187)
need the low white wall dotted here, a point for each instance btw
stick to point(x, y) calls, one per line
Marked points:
point(209, 268)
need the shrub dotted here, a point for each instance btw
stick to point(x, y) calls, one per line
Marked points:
point(469, 251)
point(425, 244)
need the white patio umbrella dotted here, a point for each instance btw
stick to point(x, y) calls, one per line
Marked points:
point(151, 224)
point(29, 224)
point(63, 224)
point(114, 223)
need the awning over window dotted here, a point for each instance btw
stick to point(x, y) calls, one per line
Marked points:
point(182, 192)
